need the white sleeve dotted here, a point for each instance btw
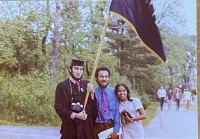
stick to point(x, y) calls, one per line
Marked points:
point(137, 103)
point(158, 93)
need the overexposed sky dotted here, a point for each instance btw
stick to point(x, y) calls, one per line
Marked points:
point(189, 9)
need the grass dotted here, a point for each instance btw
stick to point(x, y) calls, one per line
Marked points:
point(150, 113)
point(191, 107)
point(4, 122)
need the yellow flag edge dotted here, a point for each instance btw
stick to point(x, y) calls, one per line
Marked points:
point(133, 28)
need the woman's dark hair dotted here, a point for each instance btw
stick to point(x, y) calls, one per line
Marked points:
point(170, 91)
point(127, 89)
point(100, 69)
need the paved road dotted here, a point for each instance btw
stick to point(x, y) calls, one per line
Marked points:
point(166, 125)
point(172, 124)
point(28, 132)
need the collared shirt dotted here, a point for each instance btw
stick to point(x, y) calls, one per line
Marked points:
point(113, 106)
point(161, 93)
point(187, 95)
point(177, 95)
point(72, 79)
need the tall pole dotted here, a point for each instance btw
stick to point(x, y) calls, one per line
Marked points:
point(97, 56)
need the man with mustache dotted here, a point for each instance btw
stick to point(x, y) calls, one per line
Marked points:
point(108, 115)
point(77, 123)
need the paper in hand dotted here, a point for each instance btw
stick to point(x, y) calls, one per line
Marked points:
point(104, 134)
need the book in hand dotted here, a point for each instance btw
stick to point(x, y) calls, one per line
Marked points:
point(124, 114)
point(104, 134)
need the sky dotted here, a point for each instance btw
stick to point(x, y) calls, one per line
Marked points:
point(189, 10)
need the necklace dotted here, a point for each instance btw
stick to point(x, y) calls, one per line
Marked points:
point(124, 103)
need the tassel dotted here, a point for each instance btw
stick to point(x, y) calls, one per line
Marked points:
point(87, 70)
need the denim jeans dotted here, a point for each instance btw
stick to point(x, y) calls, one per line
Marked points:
point(177, 103)
point(161, 102)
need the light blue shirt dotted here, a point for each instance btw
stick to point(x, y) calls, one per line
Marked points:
point(113, 106)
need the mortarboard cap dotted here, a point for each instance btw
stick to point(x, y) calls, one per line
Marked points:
point(76, 62)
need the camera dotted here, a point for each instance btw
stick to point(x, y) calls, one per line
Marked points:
point(77, 107)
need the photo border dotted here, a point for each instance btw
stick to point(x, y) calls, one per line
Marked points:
point(198, 58)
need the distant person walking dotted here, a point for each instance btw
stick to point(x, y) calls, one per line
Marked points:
point(195, 99)
point(178, 96)
point(169, 99)
point(162, 96)
point(187, 98)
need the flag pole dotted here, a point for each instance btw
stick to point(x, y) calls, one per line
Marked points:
point(97, 57)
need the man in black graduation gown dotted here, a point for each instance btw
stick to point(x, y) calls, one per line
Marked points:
point(69, 100)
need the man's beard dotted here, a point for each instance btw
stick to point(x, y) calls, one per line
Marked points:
point(101, 85)
point(71, 73)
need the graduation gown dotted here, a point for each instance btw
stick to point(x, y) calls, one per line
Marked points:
point(73, 129)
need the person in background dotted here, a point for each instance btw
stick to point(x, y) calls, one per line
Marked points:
point(132, 112)
point(194, 98)
point(187, 98)
point(108, 115)
point(77, 122)
point(177, 97)
point(169, 99)
point(162, 96)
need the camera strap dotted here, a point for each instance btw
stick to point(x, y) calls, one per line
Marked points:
point(79, 90)
point(72, 98)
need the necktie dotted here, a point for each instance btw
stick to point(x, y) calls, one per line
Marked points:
point(104, 105)
point(77, 84)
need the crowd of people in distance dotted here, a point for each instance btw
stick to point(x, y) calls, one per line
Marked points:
point(180, 97)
